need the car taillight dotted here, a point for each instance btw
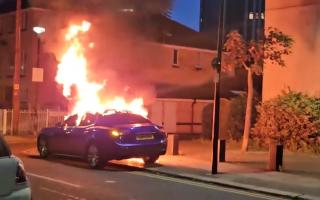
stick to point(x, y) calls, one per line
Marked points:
point(20, 174)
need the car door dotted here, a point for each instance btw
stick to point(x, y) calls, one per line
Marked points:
point(60, 141)
point(77, 136)
point(56, 142)
point(7, 170)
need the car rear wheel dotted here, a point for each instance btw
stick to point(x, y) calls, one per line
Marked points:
point(94, 157)
point(43, 148)
point(150, 159)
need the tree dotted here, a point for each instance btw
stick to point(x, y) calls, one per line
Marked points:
point(252, 56)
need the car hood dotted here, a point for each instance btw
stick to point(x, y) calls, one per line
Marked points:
point(8, 168)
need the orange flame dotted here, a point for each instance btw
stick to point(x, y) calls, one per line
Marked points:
point(72, 72)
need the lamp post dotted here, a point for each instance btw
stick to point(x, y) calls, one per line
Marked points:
point(16, 75)
point(37, 74)
point(216, 64)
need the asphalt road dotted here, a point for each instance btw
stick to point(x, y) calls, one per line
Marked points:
point(65, 179)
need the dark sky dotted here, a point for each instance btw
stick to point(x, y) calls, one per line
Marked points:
point(186, 12)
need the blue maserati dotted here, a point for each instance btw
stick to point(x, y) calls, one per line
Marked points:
point(103, 137)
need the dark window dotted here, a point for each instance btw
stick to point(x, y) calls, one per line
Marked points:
point(11, 23)
point(4, 148)
point(12, 63)
point(175, 56)
point(23, 63)
point(8, 94)
point(120, 118)
point(1, 26)
point(24, 21)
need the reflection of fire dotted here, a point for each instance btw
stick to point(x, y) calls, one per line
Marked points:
point(72, 72)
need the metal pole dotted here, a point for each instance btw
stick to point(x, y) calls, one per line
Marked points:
point(16, 76)
point(216, 108)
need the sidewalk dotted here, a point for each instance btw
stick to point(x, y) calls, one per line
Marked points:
point(300, 178)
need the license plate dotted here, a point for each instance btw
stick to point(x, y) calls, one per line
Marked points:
point(145, 137)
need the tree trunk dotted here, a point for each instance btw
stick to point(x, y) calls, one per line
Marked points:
point(247, 123)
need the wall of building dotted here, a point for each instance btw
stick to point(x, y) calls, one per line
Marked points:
point(301, 20)
point(29, 42)
point(181, 116)
point(150, 63)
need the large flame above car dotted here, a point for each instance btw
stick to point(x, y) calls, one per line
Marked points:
point(72, 74)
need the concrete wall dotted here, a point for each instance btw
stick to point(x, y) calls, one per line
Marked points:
point(179, 115)
point(301, 20)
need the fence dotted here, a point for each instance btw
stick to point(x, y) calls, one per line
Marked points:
point(30, 122)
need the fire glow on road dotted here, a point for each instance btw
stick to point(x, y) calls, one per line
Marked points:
point(72, 74)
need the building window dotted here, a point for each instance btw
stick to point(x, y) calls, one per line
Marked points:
point(23, 63)
point(11, 23)
point(1, 26)
point(198, 66)
point(8, 94)
point(24, 21)
point(12, 64)
point(175, 60)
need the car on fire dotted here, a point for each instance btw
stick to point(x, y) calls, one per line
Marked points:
point(102, 137)
point(13, 180)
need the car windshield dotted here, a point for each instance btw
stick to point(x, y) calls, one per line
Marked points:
point(4, 149)
point(120, 118)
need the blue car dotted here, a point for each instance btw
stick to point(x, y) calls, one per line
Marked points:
point(103, 137)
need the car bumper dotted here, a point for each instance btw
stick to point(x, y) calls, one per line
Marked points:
point(22, 194)
point(121, 151)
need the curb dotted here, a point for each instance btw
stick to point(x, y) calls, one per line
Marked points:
point(228, 184)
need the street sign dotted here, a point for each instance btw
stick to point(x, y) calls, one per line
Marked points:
point(37, 74)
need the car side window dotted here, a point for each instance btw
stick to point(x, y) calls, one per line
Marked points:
point(4, 149)
point(71, 121)
point(88, 119)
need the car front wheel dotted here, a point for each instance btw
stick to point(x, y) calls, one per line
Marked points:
point(94, 157)
point(43, 148)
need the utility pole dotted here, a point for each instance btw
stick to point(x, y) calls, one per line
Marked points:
point(16, 76)
point(216, 64)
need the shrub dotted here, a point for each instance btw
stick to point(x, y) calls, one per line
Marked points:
point(292, 119)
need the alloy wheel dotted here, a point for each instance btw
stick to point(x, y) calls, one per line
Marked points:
point(93, 156)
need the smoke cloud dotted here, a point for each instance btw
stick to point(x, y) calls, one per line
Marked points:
point(122, 32)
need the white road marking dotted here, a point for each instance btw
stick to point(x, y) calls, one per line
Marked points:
point(54, 180)
point(69, 196)
point(207, 186)
point(110, 181)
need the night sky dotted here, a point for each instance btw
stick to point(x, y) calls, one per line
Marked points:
point(187, 12)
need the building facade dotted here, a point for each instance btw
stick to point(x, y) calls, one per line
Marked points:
point(31, 92)
point(301, 20)
point(168, 64)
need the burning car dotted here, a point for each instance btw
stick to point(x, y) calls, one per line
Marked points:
point(102, 137)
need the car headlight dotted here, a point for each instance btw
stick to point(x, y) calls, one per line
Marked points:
point(116, 133)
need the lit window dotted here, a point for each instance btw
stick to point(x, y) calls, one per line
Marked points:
point(251, 15)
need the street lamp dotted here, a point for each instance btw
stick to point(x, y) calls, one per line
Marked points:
point(216, 64)
point(38, 30)
point(37, 73)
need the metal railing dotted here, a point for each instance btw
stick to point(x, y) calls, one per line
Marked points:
point(30, 122)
